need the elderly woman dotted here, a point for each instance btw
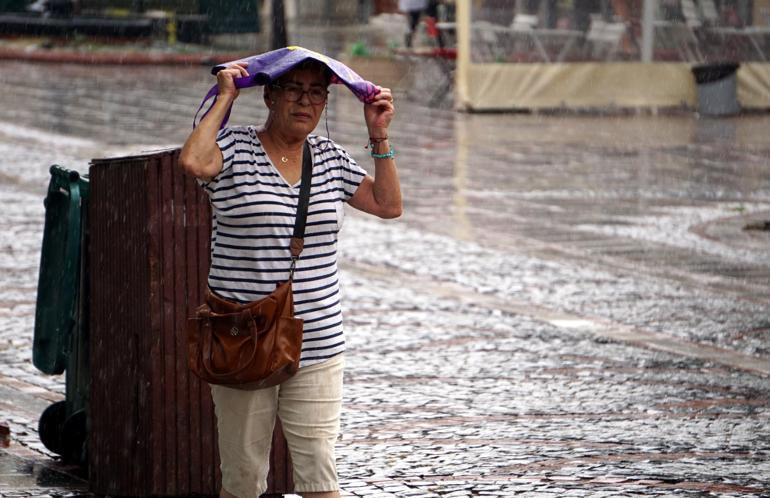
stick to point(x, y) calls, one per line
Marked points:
point(252, 175)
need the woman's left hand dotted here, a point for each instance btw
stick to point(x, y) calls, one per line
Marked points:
point(379, 113)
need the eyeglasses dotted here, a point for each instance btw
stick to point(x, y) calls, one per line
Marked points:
point(293, 93)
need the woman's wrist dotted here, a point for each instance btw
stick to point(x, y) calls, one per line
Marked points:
point(390, 154)
point(226, 98)
point(379, 148)
point(378, 145)
point(378, 133)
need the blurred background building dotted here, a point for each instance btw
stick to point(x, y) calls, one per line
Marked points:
point(496, 54)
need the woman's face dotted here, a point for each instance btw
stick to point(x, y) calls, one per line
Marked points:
point(297, 101)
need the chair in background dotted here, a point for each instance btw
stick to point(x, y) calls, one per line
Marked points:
point(753, 36)
point(681, 35)
point(742, 41)
point(524, 22)
point(708, 12)
point(486, 45)
point(547, 44)
point(604, 39)
point(521, 37)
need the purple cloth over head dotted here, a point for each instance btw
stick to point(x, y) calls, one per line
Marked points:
point(266, 68)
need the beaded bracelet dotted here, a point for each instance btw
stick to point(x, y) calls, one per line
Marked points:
point(389, 155)
point(373, 142)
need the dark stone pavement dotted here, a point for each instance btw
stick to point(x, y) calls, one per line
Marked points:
point(570, 305)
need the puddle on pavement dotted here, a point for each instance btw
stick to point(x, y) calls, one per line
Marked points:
point(16, 472)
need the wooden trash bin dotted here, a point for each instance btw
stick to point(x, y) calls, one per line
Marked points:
point(152, 423)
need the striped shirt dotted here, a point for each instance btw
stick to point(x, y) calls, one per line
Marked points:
point(253, 213)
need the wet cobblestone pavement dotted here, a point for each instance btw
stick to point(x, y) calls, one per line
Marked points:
point(570, 305)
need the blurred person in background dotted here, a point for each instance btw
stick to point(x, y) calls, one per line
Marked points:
point(413, 10)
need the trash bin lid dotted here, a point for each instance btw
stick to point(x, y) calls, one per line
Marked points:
point(709, 73)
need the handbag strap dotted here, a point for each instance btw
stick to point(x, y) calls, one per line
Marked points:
point(298, 238)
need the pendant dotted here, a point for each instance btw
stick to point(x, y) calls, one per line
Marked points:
point(284, 159)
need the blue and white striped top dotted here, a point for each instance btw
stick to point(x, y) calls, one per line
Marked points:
point(253, 212)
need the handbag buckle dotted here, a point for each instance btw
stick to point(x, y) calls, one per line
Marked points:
point(292, 267)
point(234, 331)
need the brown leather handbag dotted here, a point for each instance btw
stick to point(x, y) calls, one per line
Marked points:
point(258, 344)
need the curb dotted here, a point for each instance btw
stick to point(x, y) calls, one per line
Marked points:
point(116, 58)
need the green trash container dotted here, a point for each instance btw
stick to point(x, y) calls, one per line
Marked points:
point(61, 316)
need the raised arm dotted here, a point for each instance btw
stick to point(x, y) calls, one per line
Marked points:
point(381, 195)
point(200, 156)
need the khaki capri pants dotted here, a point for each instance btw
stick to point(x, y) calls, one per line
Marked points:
point(309, 407)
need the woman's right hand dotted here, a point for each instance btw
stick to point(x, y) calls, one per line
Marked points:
point(225, 79)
